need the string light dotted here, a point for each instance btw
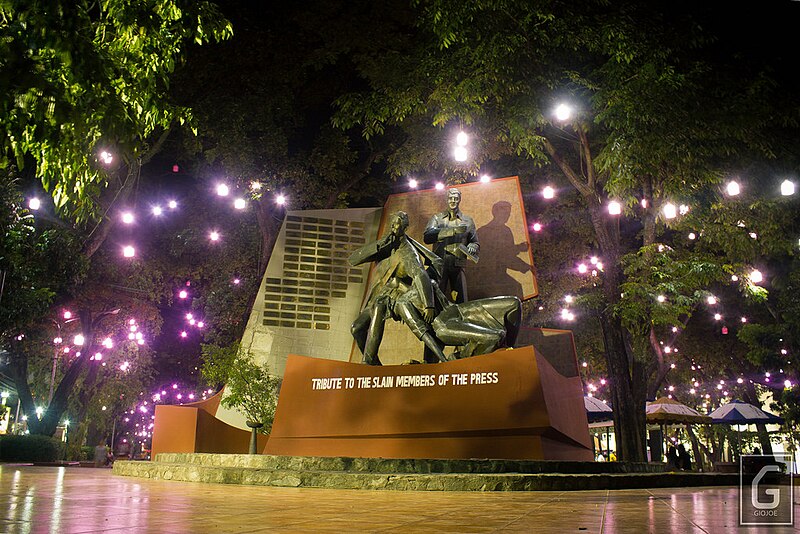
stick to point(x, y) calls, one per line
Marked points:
point(548, 192)
point(413, 184)
point(223, 190)
point(733, 188)
point(34, 203)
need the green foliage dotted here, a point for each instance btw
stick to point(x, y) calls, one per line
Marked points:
point(249, 386)
point(659, 271)
point(30, 448)
point(79, 77)
point(35, 264)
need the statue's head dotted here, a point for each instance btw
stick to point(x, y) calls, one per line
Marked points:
point(453, 198)
point(398, 223)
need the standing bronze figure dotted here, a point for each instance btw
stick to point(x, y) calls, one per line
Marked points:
point(455, 240)
point(402, 290)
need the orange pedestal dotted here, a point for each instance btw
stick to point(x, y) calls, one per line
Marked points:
point(193, 428)
point(511, 404)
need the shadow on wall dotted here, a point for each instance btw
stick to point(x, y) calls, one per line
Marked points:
point(499, 255)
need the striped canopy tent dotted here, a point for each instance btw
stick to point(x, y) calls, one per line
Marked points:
point(666, 411)
point(669, 411)
point(597, 410)
point(738, 412)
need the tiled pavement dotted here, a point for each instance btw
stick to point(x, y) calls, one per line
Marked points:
point(75, 500)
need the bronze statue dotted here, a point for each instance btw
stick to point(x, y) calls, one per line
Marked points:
point(402, 290)
point(455, 240)
point(479, 326)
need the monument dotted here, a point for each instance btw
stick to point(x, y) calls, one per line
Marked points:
point(482, 399)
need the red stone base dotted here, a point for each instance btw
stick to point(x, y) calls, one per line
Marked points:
point(511, 404)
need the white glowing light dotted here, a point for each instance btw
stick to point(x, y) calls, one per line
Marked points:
point(669, 210)
point(593, 260)
point(79, 340)
point(582, 268)
point(674, 329)
point(184, 334)
point(734, 278)
point(644, 203)
point(413, 184)
point(280, 200)
point(157, 210)
point(672, 366)
point(106, 157)
point(744, 319)
point(548, 192)
point(717, 316)
point(34, 203)
point(787, 384)
point(128, 251)
point(131, 336)
point(255, 186)
point(712, 300)
point(568, 299)
point(754, 235)
point(200, 324)
point(692, 391)
point(462, 139)
point(57, 340)
point(108, 343)
point(733, 188)
point(787, 188)
point(537, 227)
point(127, 217)
point(614, 208)
point(182, 294)
point(756, 277)
point(214, 236)
point(189, 316)
point(563, 112)
point(485, 179)
point(223, 190)
point(460, 153)
point(67, 314)
point(97, 356)
point(236, 281)
point(172, 204)
point(439, 186)
point(683, 209)
point(239, 204)
point(661, 298)
point(692, 236)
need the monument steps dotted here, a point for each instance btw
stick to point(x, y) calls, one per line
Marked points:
point(413, 475)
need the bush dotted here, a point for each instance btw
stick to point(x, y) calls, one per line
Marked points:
point(87, 454)
point(30, 448)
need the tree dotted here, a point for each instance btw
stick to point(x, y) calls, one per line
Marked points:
point(249, 386)
point(84, 78)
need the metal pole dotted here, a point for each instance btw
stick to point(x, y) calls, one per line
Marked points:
point(53, 376)
point(16, 417)
point(113, 432)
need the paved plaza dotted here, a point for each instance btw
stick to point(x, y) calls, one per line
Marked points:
point(75, 500)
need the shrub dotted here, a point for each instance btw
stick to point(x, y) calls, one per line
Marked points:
point(30, 448)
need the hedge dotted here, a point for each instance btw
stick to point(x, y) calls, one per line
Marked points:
point(30, 448)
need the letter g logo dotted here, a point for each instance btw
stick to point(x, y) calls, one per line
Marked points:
point(774, 492)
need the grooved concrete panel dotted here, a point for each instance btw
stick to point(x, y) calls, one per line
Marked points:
point(309, 295)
